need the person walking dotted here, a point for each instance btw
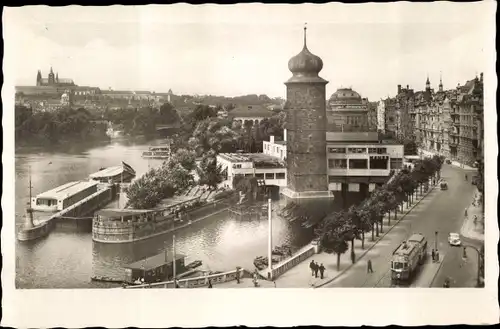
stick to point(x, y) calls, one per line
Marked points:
point(370, 268)
point(321, 270)
point(465, 177)
point(316, 269)
point(433, 255)
point(437, 255)
point(312, 265)
point(465, 213)
point(210, 283)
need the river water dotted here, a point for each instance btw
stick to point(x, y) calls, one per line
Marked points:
point(68, 258)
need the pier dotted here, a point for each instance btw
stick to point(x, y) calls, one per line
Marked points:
point(73, 215)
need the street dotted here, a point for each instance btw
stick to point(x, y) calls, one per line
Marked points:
point(442, 212)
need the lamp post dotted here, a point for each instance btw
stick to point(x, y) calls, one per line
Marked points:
point(270, 247)
point(436, 240)
point(478, 279)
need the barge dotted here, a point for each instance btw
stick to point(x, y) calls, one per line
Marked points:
point(117, 174)
point(64, 196)
point(157, 268)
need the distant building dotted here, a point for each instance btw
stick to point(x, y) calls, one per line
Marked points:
point(347, 111)
point(250, 114)
point(52, 80)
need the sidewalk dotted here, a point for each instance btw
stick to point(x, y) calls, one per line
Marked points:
point(471, 230)
point(300, 276)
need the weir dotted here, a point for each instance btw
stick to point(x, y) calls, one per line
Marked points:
point(71, 215)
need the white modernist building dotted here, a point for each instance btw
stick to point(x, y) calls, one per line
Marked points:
point(356, 160)
point(267, 169)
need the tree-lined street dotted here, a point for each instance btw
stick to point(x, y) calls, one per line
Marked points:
point(442, 211)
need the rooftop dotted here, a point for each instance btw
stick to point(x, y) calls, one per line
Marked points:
point(251, 111)
point(117, 213)
point(67, 189)
point(108, 172)
point(154, 261)
point(260, 160)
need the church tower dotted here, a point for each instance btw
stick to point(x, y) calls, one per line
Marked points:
point(428, 84)
point(306, 127)
point(51, 77)
point(441, 83)
point(57, 77)
point(39, 78)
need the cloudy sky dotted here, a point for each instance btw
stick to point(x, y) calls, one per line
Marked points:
point(234, 50)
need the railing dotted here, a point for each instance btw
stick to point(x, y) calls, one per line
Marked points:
point(289, 263)
point(197, 281)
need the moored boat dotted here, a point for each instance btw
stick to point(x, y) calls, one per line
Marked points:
point(157, 152)
point(116, 174)
point(63, 196)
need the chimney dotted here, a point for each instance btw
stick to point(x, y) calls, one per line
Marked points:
point(284, 134)
point(481, 77)
point(407, 86)
point(399, 89)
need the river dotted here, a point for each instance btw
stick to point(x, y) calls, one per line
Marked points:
point(68, 258)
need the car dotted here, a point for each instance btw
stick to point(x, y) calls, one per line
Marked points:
point(443, 185)
point(474, 180)
point(448, 161)
point(454, 239)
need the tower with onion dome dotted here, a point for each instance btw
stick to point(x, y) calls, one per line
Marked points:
point(306, 127)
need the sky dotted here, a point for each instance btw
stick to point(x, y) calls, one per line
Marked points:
point(244, 49)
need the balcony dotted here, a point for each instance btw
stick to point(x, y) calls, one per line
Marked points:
point(358, 172)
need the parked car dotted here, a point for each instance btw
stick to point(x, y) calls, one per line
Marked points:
point(474, 180)
point(448, 161)
point(454, 239)
point(443, 185)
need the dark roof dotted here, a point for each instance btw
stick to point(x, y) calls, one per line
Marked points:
point(154, 261)
point(251, 111)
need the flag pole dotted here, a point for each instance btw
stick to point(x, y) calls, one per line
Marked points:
point(270, 247)
point(173, 262)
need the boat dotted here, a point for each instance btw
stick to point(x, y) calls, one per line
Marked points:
point(155, 269)
point(195, 264)
point(64, 196)
point(116, 174)
point(105, 279)
point(158, 152)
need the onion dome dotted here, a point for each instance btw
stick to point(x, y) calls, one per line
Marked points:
point(305, 63)
point(346, 96)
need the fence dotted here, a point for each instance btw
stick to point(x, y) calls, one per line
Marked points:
point(198, 281)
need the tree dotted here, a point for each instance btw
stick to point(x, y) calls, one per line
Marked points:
point(185, 158)
point(247, 186)
point(332, 234)
point(168, 114)
point(209, 171)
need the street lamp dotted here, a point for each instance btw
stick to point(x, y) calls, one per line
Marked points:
point(478, 282)
point(436, 240)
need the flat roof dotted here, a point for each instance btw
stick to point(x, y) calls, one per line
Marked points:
point(154, 261)
point(116, 213)
point(108, 172)
point(259, 159)
point(67, 189)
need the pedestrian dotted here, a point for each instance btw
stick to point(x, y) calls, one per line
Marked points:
point(312, 266)
point(437, 255)
point(433, 255)
point(370, 268)
point(464, 256)
point(210, 283)
point(465, 177)
point(321, 270)
point(465, 213)
point(316, 269)
point(475, 219)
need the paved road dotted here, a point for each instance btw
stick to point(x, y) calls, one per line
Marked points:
point(440, 211)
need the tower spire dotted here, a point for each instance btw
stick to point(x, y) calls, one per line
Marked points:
point(305, 35)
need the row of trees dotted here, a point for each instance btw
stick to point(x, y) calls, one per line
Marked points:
point(54, 127)
point(337, 230)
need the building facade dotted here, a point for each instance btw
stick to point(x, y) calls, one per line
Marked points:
point(306, 127)
point(347, 111)
point(445, 122)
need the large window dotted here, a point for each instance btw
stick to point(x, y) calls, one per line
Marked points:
point(358, 164)
point(396, 163)
point(378, 163)
point(280, 175)
point(269, 175)
point(336, 149)
point(259, 176)
point(377, 150)
point(337, 163)
point(357, 150)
